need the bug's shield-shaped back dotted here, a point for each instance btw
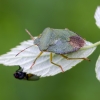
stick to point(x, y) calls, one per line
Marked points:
point(59, 41)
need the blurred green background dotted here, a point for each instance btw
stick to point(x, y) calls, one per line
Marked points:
point(80, 82)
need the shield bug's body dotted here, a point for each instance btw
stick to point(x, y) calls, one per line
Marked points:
point(58, 41)
point(19, 74)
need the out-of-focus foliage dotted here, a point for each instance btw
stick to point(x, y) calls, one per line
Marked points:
point(79, 83)
point(97, 16)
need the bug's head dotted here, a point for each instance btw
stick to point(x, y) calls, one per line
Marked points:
point(19, 75)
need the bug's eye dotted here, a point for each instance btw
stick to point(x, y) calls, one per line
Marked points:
point(19, 75)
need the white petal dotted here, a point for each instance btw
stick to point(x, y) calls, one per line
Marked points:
point(97, 16)
point(42, 67)
point(97, 69)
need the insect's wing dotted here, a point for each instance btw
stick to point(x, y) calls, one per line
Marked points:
point(60, 47)
point(60, 42)
point(32, 77)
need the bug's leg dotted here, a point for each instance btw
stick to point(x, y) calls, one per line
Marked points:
point(18, 69)
point(55, 63)
point(36, 59)
point(23, 50)
point(74, 58)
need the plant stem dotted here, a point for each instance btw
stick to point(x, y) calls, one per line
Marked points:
point(91, 46)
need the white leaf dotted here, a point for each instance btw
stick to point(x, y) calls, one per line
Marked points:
point(97, 69)
point(97, 16)
point(42, 67)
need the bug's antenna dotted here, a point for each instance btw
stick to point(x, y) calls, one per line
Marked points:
point(27, 47)
point(29, 34)
point(23, 50)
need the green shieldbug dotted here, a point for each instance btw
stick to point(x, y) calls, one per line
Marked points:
point(58, 41)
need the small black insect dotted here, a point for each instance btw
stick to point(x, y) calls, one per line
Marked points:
point(19, 74)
